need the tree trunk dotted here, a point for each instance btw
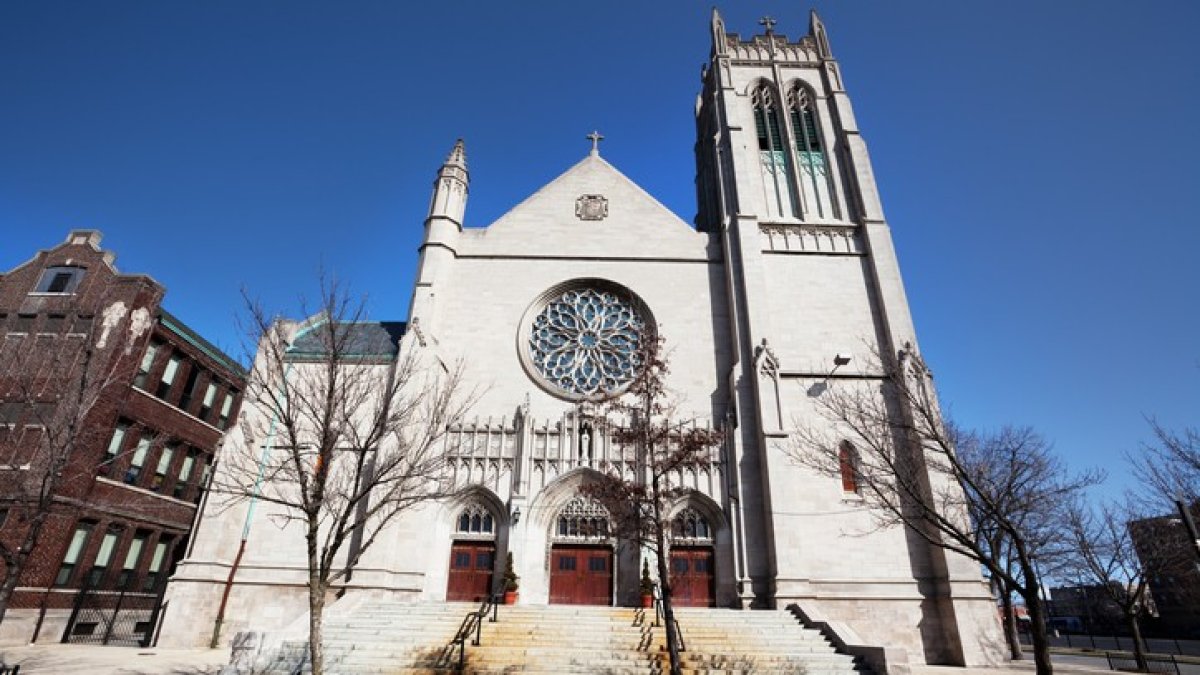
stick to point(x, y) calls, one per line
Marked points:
point(664, 580)
point(1139, 646)
point(1011, 635)
point(1037, 619)
point(316, 607)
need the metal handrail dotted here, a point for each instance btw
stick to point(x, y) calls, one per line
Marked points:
point(659, 614)
point(473, 621)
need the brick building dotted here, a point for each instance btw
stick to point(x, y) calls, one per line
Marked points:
point(110, 412)
point(1164, 546)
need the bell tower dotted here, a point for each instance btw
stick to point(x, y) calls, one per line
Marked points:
point(784, 182)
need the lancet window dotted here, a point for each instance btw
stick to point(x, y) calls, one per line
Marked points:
point(691, 526)
point(583, 519)
point(848, 464)
point(773, 155)
point(810, 153)
point(475, 519)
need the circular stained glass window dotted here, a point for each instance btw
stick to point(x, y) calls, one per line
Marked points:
point(586, 341)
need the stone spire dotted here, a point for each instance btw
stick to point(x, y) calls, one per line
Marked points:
point(817, 30)
point(450, 188)
point(719, 47)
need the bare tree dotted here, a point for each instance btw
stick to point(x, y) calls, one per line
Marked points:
point(344, 434)
point(975, 494)
point(1170, 464)
point(58, 386)
point(1102, 553)
point(666, 447)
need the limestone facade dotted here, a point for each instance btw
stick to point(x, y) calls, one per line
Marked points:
point(789, 265)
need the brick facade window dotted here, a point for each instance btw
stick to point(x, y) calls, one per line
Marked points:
point(147, 363)
point(133, 558)
point(185, 473)
point(115, 445)
point(79, 540)
point(139, 458)
point(154, 573)
point(210, 397)
point(103, 557)
point(226, 408)
point(160, 471)
point(60, 279)
point(168, 376)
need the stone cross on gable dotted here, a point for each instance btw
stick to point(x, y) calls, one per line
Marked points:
point(595, 138)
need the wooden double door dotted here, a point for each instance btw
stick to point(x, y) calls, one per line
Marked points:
point(692, 579)
point(581, 575)
point(471, 566)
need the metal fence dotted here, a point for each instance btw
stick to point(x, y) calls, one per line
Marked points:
point(1167, 665)
point(1180, 647)
point(114, 616)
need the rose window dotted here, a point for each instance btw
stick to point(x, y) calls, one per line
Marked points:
point(587, 341)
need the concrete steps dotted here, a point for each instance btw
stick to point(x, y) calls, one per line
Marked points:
point(756, 641)
point(380, 638)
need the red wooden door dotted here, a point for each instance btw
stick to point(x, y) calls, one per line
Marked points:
point(471, 564)
point(581, 575)
point(692, 577)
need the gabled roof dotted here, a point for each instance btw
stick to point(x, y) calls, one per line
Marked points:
point(592, 175)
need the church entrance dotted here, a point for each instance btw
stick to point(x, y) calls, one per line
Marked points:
point(692, 583)
point(580, 575)
point(471, 565)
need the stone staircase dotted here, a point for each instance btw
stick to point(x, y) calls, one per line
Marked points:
point(757, 641)
point(559, 639)
point(378, 637)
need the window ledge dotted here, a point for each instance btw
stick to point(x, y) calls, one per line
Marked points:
point(852, 498)
point(51, 295)
point(16, 467)
point(152, 493)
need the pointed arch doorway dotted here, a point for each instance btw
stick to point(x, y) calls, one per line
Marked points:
point(693, 578)
point(472, 555)
point(581, 555)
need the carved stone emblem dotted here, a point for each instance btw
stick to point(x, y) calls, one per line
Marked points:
point(591, 207)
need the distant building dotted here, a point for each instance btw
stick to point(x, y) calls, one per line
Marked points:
point(94, 368)
point(1164, 546)
point(1085, 609)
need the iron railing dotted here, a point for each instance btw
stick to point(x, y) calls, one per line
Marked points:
point(472, 623)
point(120, 615)
point(1155, 663)
point(660, 618)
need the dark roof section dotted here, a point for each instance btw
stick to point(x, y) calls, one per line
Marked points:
point(173, 324)
point(366, 340)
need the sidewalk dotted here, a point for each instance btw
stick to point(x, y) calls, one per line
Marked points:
point(59, 659)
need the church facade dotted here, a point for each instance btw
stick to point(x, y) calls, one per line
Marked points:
point(788, 273)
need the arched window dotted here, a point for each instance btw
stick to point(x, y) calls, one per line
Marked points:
point(582, 518)
point(475, 520)
point(848, 463)
point(810, 154)
point(691, 526)
point(773, 155)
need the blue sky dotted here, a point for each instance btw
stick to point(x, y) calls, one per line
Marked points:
point(1038, 162)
